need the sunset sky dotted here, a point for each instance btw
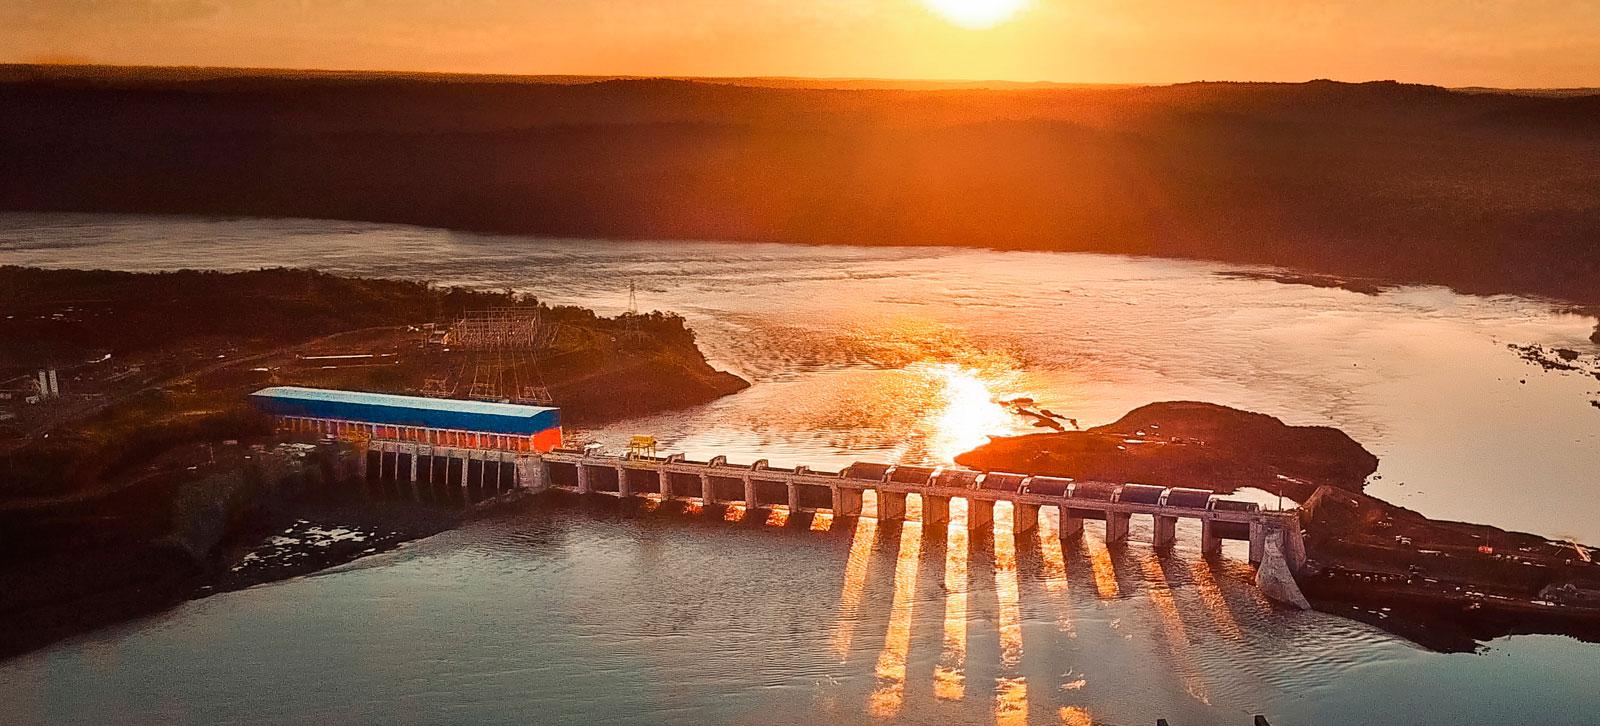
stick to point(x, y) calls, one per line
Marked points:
point(1537, 43)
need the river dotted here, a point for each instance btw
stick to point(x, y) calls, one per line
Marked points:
point(562, 613)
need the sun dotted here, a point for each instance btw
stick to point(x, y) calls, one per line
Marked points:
point(976, 14)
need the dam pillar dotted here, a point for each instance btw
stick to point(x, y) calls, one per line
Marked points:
point(533, 474)
point(891, 505)
point(708, 495)
point(935, 510)
point(1024, 517)
point(1166, 532)
point(1258, 541)
point(749, 492)
point(980, 514)
point(1294, 547)
point(1117, 527)
point(416, 492)
point(846, 502)
point(794, 497)
point(583, 478)
point(1071, 526)
point(1210, 543)
point(624, 487)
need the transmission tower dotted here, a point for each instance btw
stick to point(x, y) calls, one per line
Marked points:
point(630, 321)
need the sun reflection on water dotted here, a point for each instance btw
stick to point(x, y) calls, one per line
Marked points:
point(889, 697)
point(949, 675)
point(967, 410)
point(855, 581)
point(1011, 688)
point(1054, 566)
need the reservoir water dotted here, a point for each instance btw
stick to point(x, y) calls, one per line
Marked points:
point(556, 612)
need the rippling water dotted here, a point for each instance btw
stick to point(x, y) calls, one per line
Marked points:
point(569, 613)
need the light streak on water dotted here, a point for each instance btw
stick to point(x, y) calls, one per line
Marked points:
point(1216, 606)
point(1105, 574)
point(1075, 716)
point(949, 675)
point(1011, 688)
point(1054, 565)
point(855, 580)
point(1173, 634)
point(889, 697)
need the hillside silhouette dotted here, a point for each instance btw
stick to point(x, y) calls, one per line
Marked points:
point(1485, 191)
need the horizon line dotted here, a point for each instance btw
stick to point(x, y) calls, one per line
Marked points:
point(969, 84)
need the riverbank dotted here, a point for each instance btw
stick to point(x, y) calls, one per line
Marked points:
point(1444, 584)
point(139, 485)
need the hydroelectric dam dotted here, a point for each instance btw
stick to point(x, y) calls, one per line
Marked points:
point(494, 449)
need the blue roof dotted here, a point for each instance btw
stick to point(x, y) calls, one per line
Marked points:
point(392, 410)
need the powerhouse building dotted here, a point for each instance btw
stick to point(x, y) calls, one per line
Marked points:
point(443, 422)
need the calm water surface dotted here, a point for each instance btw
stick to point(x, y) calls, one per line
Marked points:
point(577, 613)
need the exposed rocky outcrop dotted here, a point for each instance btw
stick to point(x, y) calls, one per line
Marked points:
point(1187, 443)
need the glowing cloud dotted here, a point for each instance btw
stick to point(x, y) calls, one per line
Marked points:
point(976, 14)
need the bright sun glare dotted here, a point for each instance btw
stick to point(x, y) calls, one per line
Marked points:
point(976, 14)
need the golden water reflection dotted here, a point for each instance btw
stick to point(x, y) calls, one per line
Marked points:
point(1105, 574)
point(889, 697)
point(1173, 633)
point(1054, 566)
point(1216, 606)
point(1011, 688)
point(855, 581)
point(949, 675)
point(967, 412)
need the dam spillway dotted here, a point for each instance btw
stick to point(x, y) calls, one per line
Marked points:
point(758, 485)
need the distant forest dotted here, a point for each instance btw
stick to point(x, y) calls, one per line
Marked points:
point(1484, 191)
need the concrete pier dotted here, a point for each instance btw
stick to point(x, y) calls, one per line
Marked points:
point(1071, 525)
point(980, 513)
point(1210, 541)
point(846, 502)
point(1165, 532)
point(1024, 517)
point(891, 506)
point(1117, 524)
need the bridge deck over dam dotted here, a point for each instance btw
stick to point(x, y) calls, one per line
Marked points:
point(801, 489)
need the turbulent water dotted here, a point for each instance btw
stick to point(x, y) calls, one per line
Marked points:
point(566, 613)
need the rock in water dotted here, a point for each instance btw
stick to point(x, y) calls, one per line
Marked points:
point(1186, 443)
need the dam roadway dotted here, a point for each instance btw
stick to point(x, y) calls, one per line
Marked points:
point(1276, 545)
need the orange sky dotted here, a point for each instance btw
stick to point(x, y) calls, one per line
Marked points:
point(1533, 43)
